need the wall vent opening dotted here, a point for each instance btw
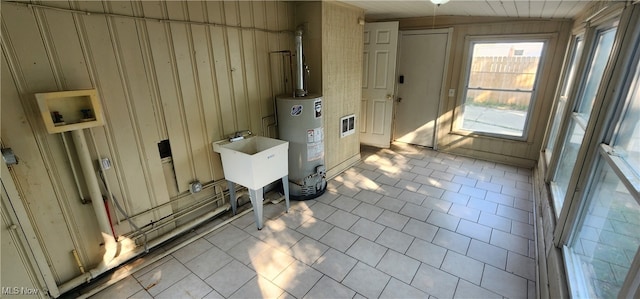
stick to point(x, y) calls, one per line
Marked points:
point(347, 125)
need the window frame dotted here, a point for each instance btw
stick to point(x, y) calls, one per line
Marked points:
point(567, 213)
point(571, 58)
point(470, 40)
point(587, 55)
point(579, 104)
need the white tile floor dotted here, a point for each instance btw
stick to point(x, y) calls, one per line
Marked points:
point(406, 222)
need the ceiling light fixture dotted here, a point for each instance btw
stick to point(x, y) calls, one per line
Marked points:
point(439, 2)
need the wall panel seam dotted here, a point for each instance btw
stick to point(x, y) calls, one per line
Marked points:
point(49, 47)
point(214, 76)
point(128, 95)
point(214, 83)
point(232, 95)
point(152, 79)
point(152, 87)
point(196, 83)
point(271, 89)
point(243, 61)
point(179, 95)
point(256, 59)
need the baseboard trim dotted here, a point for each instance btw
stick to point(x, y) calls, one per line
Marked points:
point(338, 169)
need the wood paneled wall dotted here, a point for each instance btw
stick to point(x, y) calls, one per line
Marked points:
point(521, 153)
point(333, 45)
point(190, 83)
point(342, 54)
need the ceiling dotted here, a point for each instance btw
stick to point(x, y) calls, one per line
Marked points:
point(385, 9)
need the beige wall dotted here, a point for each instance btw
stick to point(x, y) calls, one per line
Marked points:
point(521, 153)
point(190, 83)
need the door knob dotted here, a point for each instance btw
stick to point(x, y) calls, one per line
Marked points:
point(389, 97)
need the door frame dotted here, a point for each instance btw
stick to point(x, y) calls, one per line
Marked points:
point(445, 78)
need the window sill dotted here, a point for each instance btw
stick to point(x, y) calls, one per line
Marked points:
point(474, 134)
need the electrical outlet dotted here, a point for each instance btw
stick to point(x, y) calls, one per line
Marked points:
point(105, 163)
point(452, 92)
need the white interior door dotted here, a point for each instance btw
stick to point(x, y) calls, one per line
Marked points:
point(421, 70)
point(378, 82)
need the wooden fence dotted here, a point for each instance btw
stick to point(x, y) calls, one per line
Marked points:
point(500, 72)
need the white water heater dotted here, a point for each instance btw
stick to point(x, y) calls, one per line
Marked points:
point(300, 123)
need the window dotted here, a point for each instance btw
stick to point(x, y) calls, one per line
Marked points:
point(501, 82)
point(580, 117)
point(627, 145)
point(605, 243)
point(561, 101)
point(604, 43)
point(602, 248)
point(594, 167)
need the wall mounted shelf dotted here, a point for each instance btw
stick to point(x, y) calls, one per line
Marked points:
point(64, 111)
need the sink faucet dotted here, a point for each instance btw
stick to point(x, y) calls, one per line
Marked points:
point(239, 135)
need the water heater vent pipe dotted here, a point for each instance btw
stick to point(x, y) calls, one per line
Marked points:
point(300, 90)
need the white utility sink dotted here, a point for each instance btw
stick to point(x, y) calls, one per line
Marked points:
point(254, 162)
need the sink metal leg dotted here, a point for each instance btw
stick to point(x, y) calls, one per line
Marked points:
point(232, 196)
point(256, 200)
point(285, 186)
